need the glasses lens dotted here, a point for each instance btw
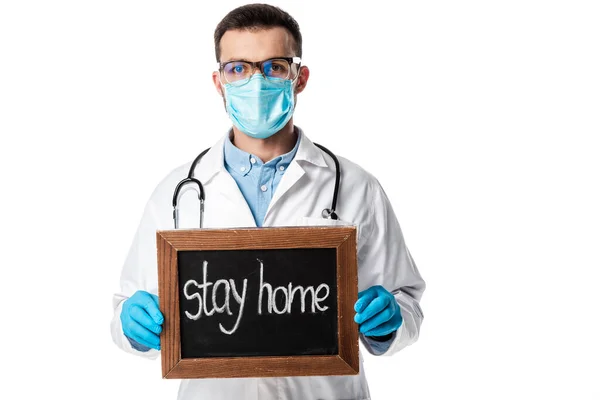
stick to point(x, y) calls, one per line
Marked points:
point(276, 68)
point(237, 71)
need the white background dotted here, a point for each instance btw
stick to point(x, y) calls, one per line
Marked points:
point(480, 119)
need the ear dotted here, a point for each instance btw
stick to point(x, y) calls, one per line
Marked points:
point(302, 79)
point(217, 83)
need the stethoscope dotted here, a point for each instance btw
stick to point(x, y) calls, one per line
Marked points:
point(194, 184)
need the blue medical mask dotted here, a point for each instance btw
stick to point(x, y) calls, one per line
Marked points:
point(260, 107)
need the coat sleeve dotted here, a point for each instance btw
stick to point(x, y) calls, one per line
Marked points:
point(139, 273)
point(385, 260)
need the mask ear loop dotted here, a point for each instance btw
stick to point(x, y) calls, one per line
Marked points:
point(293, 83)
point(220, 81)
point(297, 76)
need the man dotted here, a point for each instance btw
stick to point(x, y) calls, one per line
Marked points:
point(266, 172)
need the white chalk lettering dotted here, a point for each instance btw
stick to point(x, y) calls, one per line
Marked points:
point(193, 317)
point(318, 299)
point(241, 300)
point(288, 296)
point(279, 300)
point(302, 296)
point(203, 299)
point(260, 292)
point(214, 296)
point(285, 302)
point(204, 288)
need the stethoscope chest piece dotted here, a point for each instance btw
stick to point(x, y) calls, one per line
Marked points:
point(329, 214)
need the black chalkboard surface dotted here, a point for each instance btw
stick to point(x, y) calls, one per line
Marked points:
point(258, 302)
point(228, 285)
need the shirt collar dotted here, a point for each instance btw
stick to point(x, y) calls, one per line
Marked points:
point(214, 160)
point(241, 162)
point(237, 159)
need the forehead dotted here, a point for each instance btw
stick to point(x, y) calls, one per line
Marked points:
point(256, 44)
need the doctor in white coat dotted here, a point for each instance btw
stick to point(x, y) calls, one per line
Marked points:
point(265, 171)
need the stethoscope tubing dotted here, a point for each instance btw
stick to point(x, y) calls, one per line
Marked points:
point(192, 183)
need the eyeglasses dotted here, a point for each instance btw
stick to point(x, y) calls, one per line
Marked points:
point(240, 72)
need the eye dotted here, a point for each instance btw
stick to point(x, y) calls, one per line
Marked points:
point(276, 68)
point(236, 68)
point(273, 68)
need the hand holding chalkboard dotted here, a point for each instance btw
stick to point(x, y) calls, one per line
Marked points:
point(378, 312)
point(141, 320)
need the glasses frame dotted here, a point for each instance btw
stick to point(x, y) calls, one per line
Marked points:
point(259, 64)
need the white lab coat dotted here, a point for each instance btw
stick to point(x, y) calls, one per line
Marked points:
point(305, 189)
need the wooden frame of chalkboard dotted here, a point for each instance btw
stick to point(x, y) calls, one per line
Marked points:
point(341, 239)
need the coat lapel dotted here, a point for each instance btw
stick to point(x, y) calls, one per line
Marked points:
point(211, 171)
point(307, 153)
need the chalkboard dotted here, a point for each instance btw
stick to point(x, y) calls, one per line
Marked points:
point(254, 302)
point(258, 302)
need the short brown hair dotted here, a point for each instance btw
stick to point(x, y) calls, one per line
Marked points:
point(257, 16)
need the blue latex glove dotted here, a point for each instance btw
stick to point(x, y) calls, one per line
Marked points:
point(141, 319)
point(377, 312)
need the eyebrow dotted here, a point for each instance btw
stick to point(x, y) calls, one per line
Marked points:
point(248, 61)
point(236, 59)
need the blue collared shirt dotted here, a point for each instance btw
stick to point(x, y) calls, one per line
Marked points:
point(257, 180)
